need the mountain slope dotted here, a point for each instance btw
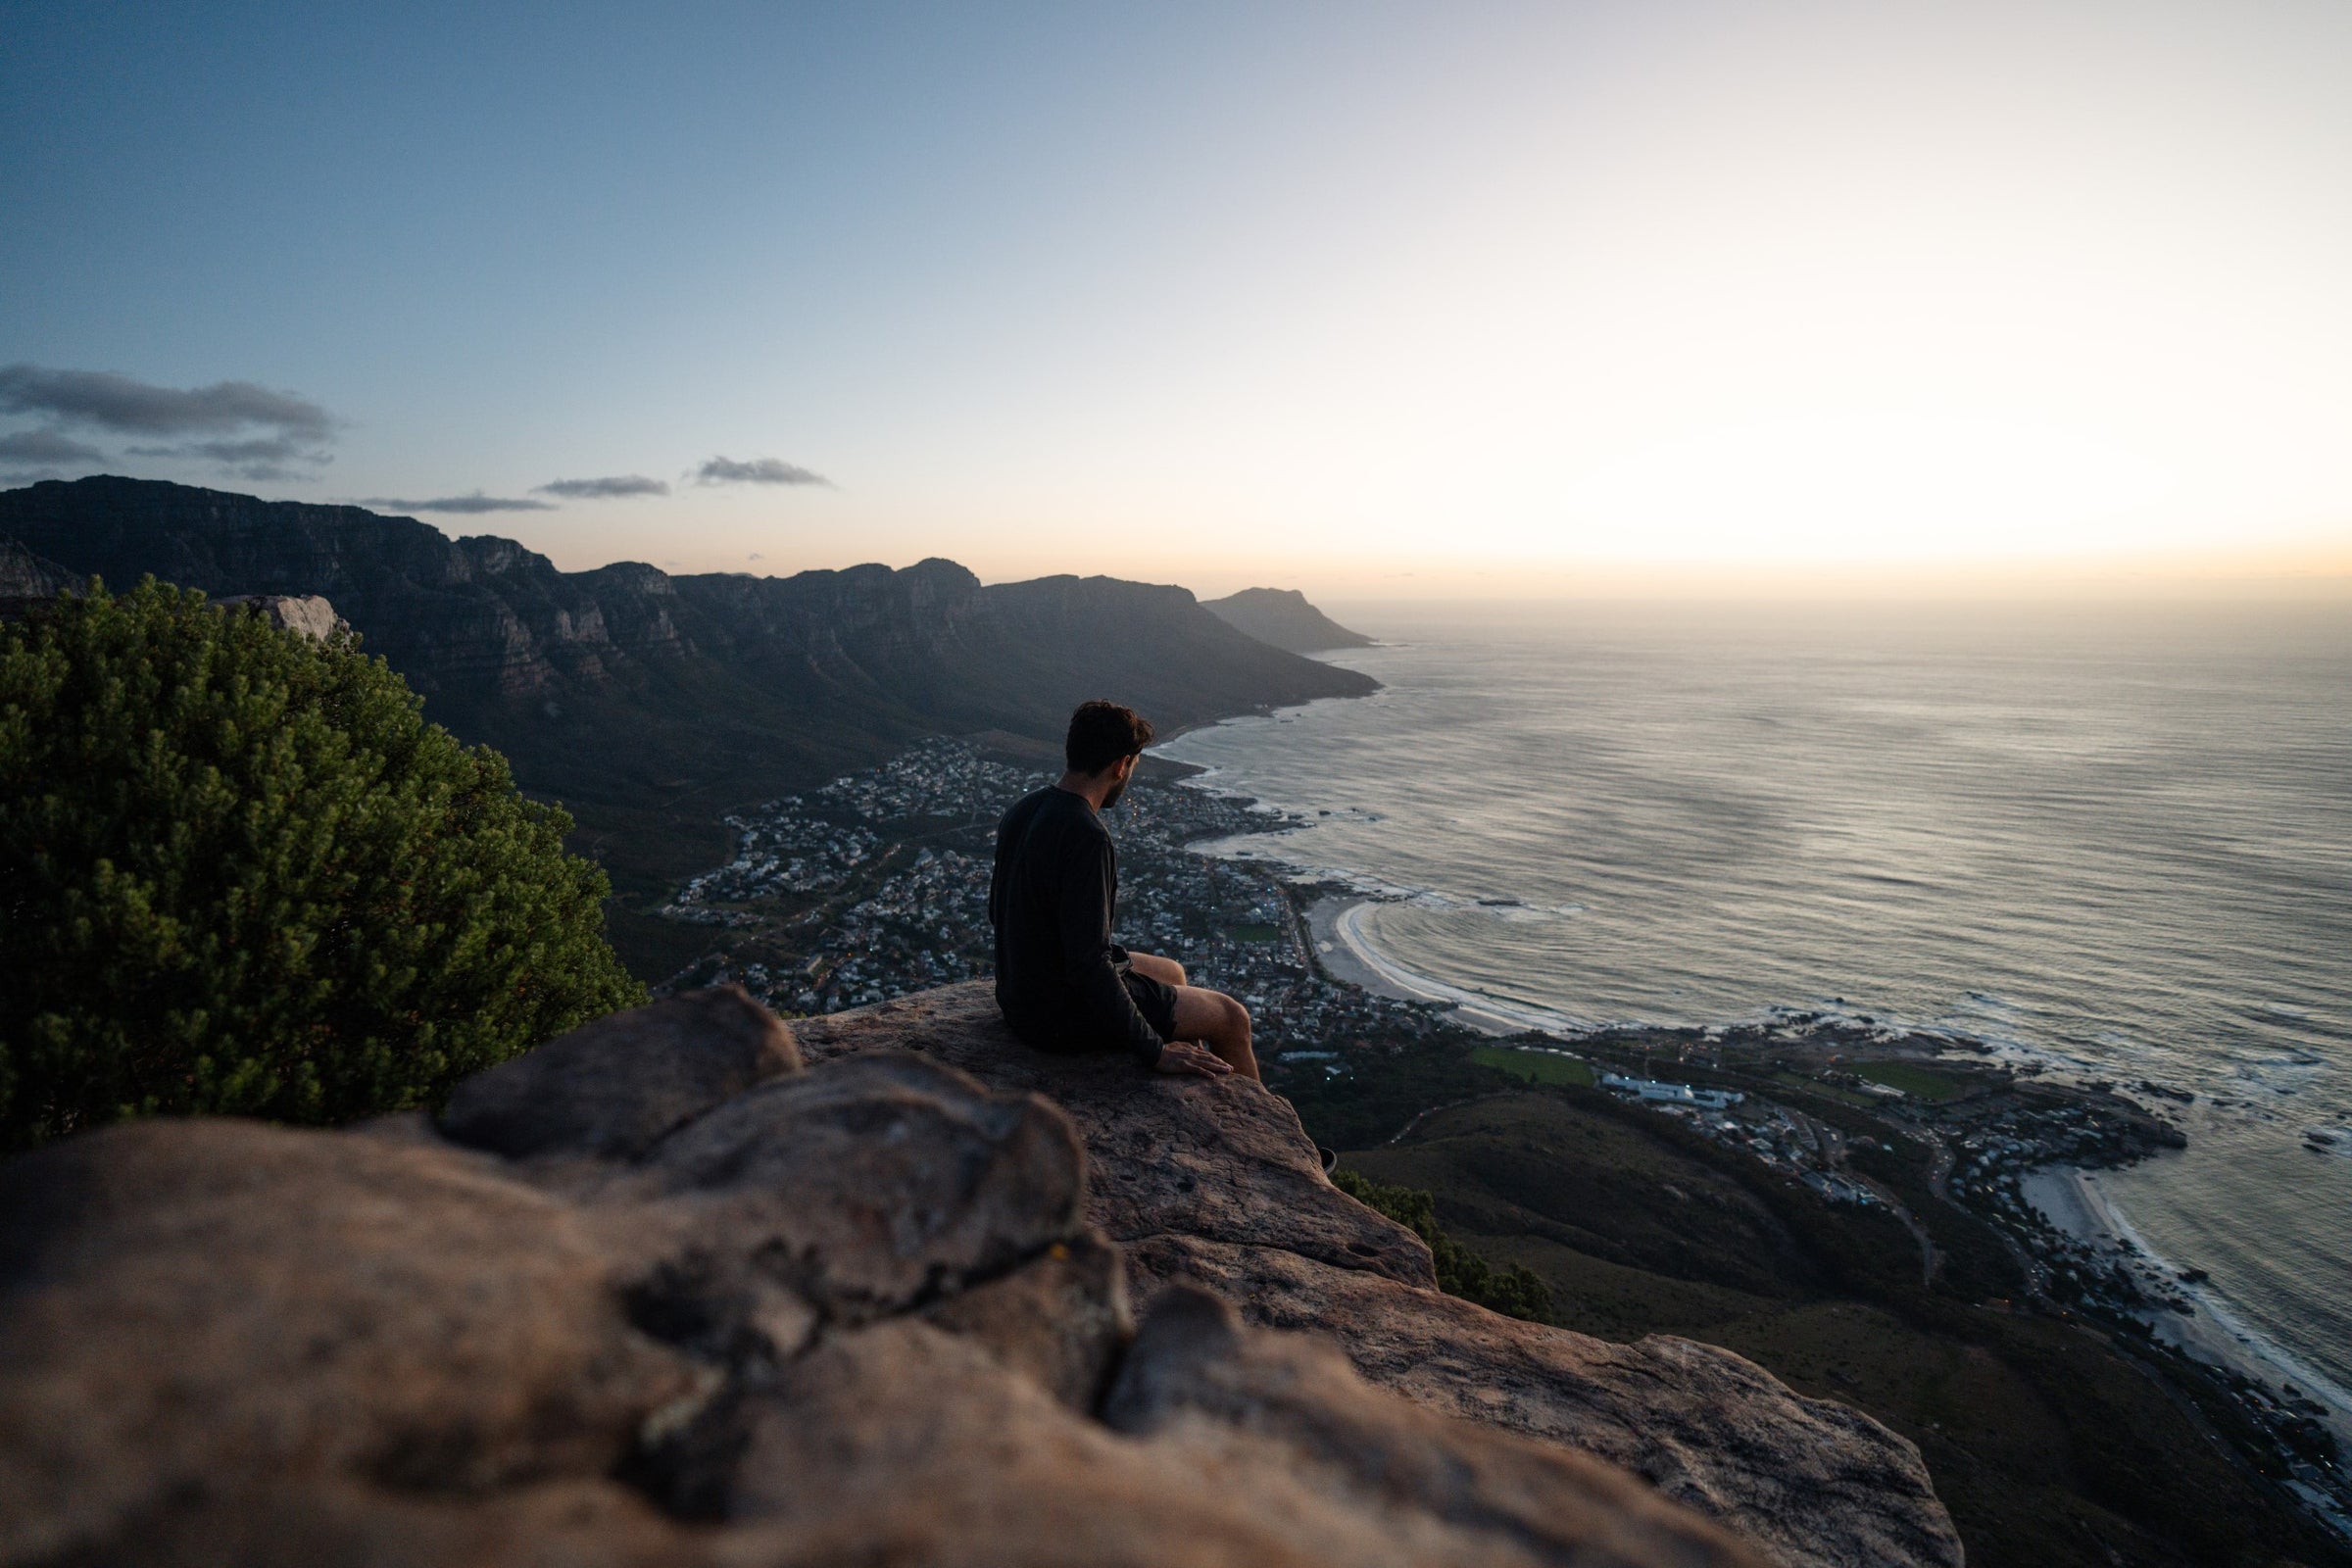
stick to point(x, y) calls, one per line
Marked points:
point(1281, 618)
point(650, 704)
point(26, 575)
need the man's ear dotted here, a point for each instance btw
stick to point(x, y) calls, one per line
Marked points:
point(1127, 765)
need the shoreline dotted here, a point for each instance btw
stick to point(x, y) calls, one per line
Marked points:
point(2068, 1196)
point(1350, 956)
point(2071, 1198)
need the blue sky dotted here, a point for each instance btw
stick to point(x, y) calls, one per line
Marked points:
point(1358, 296)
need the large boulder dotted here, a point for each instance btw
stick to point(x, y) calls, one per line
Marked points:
point(682, 1289)
point(1212, 1184)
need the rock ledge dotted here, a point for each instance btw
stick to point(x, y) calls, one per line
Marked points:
point(688, 1285)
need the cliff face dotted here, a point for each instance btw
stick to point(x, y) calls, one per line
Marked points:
point(26, 579)
point(681, 1288)
point(627, 690)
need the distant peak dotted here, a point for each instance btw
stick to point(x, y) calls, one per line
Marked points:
point(1283, 618)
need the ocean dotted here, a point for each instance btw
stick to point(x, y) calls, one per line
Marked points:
point(2116, 839)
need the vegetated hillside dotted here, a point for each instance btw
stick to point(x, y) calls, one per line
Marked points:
point(1281, 617)
point(650, 704)
point(2049, 1446)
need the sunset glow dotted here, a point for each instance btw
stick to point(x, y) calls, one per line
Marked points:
point(1651, 293)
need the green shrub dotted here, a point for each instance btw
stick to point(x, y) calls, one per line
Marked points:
point(240, 873)
point(1516, 1292)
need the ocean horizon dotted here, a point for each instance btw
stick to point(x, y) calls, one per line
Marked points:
point(2111, 841)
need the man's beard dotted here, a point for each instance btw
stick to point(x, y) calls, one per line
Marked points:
point(1112, 799)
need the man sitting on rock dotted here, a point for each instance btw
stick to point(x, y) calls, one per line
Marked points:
point(1063, 985)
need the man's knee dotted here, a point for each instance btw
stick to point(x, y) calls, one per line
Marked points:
point(1151, 966)
point(1236, 1016)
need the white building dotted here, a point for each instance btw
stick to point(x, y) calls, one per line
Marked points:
point(1652, 1089)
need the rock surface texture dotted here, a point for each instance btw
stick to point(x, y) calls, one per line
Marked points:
point(28, 581)
point(688, 1285)
point(308, 614)
point(1212, 1184)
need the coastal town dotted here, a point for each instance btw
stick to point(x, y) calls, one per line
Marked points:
point(876, 884)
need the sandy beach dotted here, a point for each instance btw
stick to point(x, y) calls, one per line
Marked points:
point(1348, 957)
point(2073, 1200)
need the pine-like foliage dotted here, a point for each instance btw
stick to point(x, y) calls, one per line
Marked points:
point(1516, 1292)
point(239, 873)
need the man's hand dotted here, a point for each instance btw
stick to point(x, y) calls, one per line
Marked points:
point(1184, 1056)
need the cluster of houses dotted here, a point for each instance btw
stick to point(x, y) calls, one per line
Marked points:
point(1788, 1141)
point(876, 884)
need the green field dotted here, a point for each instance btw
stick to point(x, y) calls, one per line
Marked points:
point(1253, 931)
point(1910, 1079)
point(1814, 1086)
point(1536, 1066)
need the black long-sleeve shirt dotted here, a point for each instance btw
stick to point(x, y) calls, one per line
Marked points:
point(1056, 877)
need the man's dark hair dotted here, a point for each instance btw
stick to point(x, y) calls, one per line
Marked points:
point(1103, 732)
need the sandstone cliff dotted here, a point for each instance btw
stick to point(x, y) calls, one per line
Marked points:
point(679, 1288)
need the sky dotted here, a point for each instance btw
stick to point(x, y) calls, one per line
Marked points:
point(1444, 299)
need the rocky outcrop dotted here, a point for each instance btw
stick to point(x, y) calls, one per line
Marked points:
point(28, 581)
point(691, 1287)
point(308, 614)
point(1213, 1185)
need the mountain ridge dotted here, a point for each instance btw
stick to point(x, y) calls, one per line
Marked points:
point(650, 704)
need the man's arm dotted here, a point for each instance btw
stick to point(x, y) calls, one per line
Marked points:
point(1085, 920)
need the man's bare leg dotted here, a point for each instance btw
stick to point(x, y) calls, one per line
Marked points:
point(1218, 1022)
point(1211, 1018)
point(1151, 966)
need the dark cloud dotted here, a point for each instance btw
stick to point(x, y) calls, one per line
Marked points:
point(758, 470)
point(266, 457)
point(474, 503)
point(118, 402)
point(258, 434)
point(625, 484)
point(262, 449)
point(46, 446)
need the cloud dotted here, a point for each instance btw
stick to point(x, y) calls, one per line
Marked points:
point(467, 504)
point(262, 449)
point(118, 402)
point(257, 433)
point(626, 484)
point(758, 470)
point(46, 446)
point(260, 458)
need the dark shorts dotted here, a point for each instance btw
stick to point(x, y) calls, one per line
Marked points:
point(1155, 999)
